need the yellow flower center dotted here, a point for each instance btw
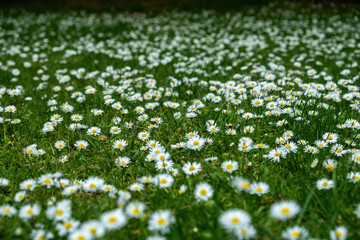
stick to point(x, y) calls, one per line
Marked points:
point(163, 181)
point(203, 192)
point(47, 181)
point(296, 234)
point(196, 143)
point(67, 225)
point(285, 210)
point(59, 212)
point(235, 220)
point(229, 166)
point(161, 221)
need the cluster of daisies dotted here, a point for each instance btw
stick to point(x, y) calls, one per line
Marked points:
point(219, 113)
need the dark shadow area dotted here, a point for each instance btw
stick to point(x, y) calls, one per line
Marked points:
point(153, 5)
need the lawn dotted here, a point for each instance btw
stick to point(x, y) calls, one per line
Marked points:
point(239, 124)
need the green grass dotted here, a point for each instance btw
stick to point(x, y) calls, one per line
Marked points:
point(199, 45)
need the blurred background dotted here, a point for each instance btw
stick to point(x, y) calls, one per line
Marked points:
point(155, 5)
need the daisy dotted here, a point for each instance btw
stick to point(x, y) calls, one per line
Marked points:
point(76, 117)
point(245, 232)
point(287, 135)
point(56, 118)
point(92, 184)
point(338, 150)
point(356, 157)
point(59, 145)
point(40, 234)
point(203, 192)
point(164, 180)
point(191, 168)
point(7, 210)
point(143, 135)
point(60, 212)
point(275, 154)
point(259, 188)
point(67, 227)
point(4, 182)
point(249, 129)
point(232, 219)
point(10, 109)
point(330, 164)
point(261, 146)
point(164, 165)
point(93, 131)
point(70, 190)
point(241, 184)
point(30, 149)
point(80, 235)
point(81, 144)
point(340, 233)
point(94, 228)
point(311, 149)
point(136, 187)
point(64, 158)
point(314, 163)
point(115, 130)
point(135, 209)
point(353, 177)
point(29, 184)
point(321, 143)
point(114, 219)
point(195, 143)
point(28, 211)
point(231, 131)
point(46, 180)
point(229, 166)
point(330, 137)
point(324, 184)
point(161, 221)
point(122, 161)
point(19, 196)
point(120, 144)
point(182, 189)
point(295, 233)
point(289, 147)
point(284, 210)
